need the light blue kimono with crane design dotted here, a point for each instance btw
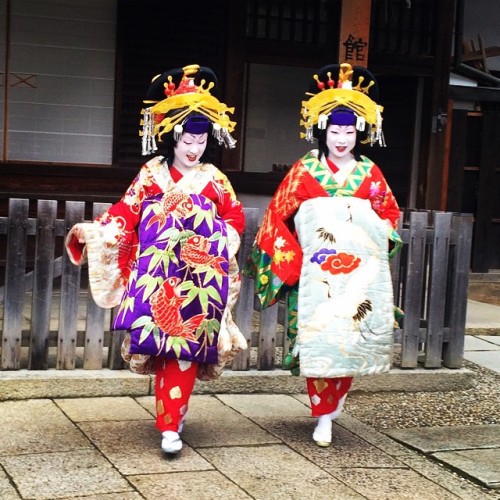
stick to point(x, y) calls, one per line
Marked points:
point(345, 298)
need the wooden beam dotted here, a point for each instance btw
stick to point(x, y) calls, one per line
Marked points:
point(446, 156)
point(355, 32)
point(234, 88)
point(478, 54)
point(490, 150)
point(439, 106)
point(483, 94)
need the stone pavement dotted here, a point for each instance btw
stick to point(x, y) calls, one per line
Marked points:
point(482, 345)
point(92, 436)
point(472, 451)
point(237, 446)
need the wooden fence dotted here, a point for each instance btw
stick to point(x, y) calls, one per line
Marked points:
point(49, 319)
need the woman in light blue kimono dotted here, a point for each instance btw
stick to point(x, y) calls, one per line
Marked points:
point(323, 245)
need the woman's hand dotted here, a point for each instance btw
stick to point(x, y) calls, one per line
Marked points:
point(79, 233)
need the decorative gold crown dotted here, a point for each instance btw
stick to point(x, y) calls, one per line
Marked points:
point(316, 110)
point(162, 116)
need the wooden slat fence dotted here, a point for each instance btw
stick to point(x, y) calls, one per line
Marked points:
point(430, 280)
point(49, 320)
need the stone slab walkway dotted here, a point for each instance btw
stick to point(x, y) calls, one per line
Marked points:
point(237, 446)
point(471, 450)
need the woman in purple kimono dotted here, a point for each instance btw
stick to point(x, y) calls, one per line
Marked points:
point(166, 251)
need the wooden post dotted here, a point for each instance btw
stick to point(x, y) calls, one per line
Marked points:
point(42, 284)
point(439, 136)
point(487, 191)
point(15, 268)
point(243, 310)
point(232, 159)
point(414, 283)
point(70, 293)
point(453, 351)
point(355, 32)
point(94, 331)
point(437, 289)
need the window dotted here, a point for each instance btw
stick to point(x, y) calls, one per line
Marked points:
point(272, 134)
point(403, 27)
point(299, 21)
point(58, 64)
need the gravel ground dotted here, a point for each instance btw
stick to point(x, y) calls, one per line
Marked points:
point(485, 292)
point(479, 405)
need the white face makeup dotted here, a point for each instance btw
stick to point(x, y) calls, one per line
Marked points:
point(340, 141)
point(188, 151)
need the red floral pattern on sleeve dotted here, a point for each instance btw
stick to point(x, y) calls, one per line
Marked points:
point(383, 202)
point(125, 217)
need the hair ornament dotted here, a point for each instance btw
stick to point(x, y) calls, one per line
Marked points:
point(176, 95)
point(342, 86)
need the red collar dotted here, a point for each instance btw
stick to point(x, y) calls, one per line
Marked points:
point(332, 165)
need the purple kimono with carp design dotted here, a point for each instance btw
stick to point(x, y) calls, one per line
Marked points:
point(178, 286)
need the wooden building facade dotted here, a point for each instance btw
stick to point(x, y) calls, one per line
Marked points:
point(440, 156)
